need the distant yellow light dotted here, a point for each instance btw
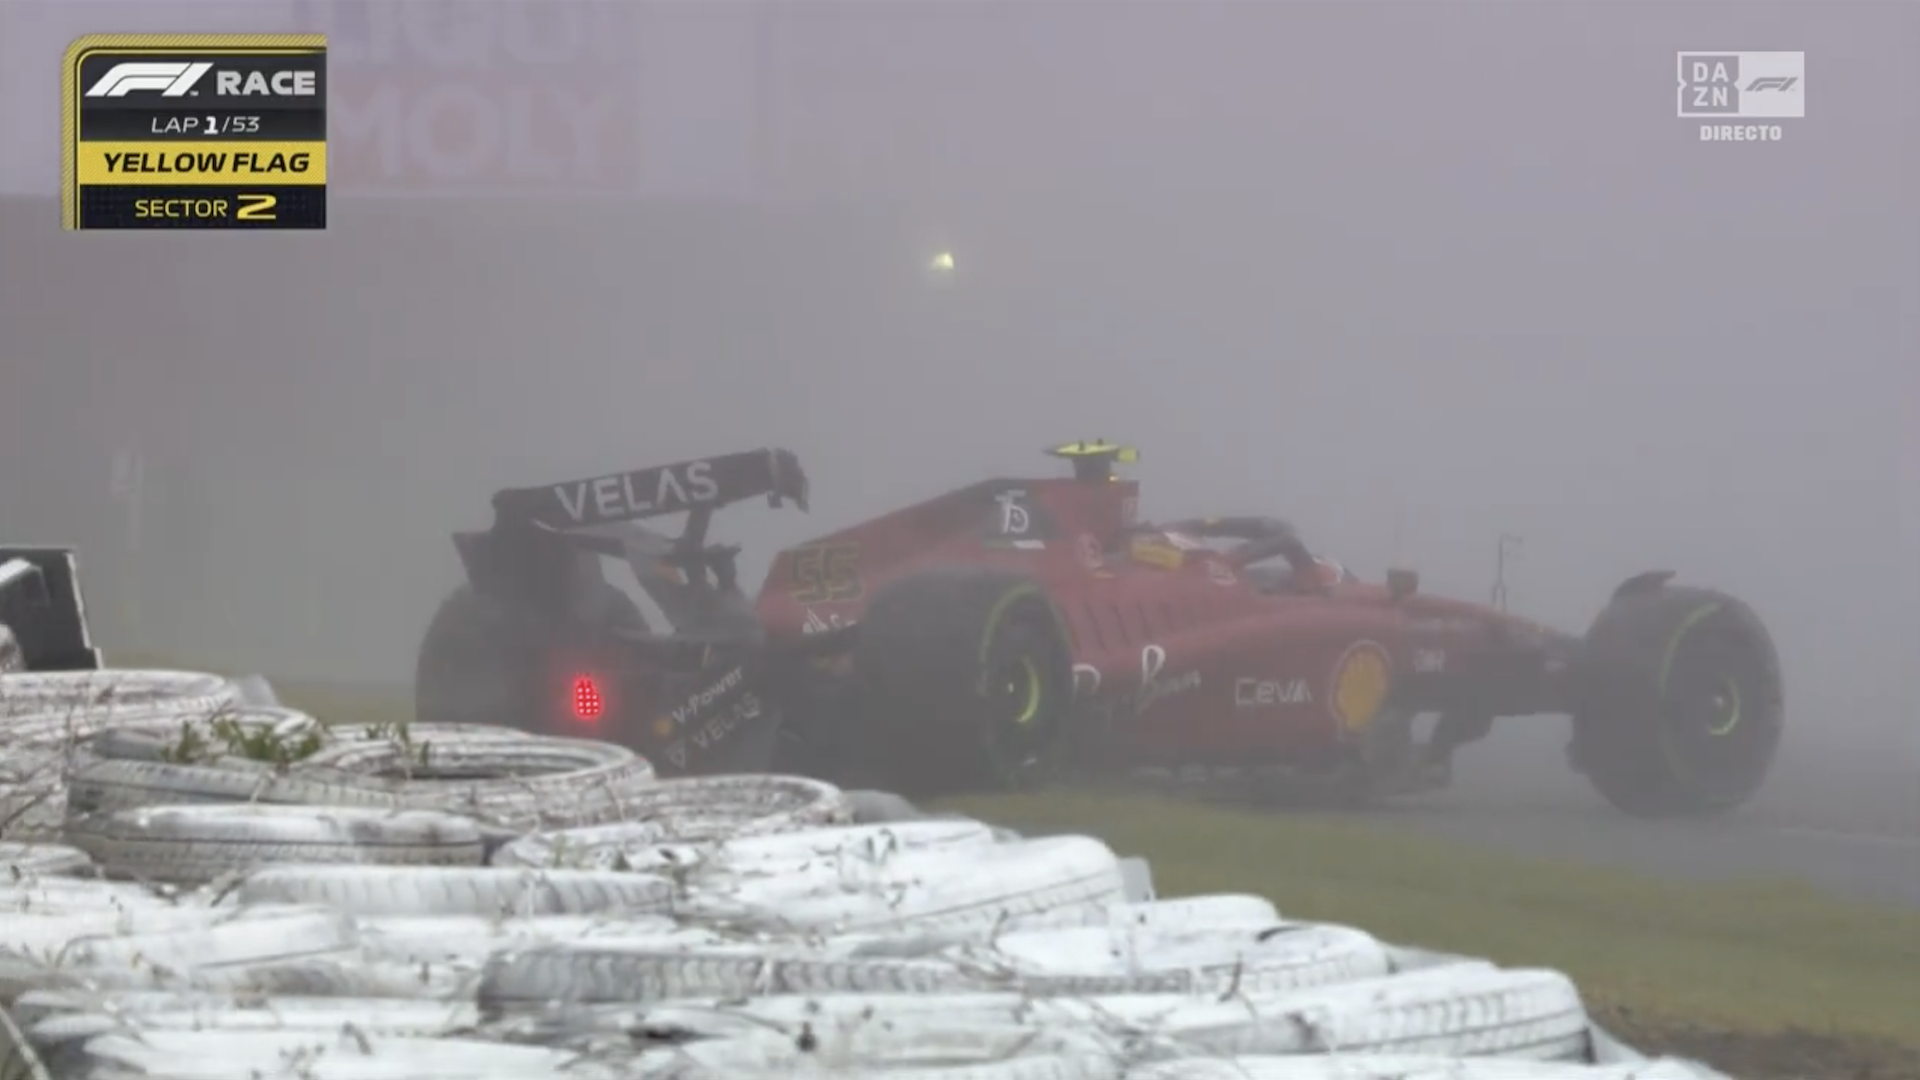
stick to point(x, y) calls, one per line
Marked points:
point(942, 261)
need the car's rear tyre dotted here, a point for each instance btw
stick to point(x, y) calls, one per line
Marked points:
point(480, 663)
point(1680, 708)
point(965, 683)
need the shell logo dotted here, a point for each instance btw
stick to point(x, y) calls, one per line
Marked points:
point(1157, 553)
point(1361, 681)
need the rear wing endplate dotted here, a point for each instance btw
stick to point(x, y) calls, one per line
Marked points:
point(702, 483)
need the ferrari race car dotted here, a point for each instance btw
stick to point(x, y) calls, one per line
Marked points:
point(1016, 630)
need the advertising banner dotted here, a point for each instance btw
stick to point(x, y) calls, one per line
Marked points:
point(743, 99)
point(517, 98)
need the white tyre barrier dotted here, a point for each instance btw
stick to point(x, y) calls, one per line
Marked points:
point(178, 1010)
point(106, 785)
point(792, 1016)
point(1245, 959)
point(325, 915)
point(972, 887)
point(514, 780)
point(689, 1064)
point(80, 702)
point(1521, 1015)
point(262, 937)
point(255, 690)
point(1477, 1011)
point(108, 778)
point(19, 1059)
point(1389, 1067)
point(49, 936)
point(1239, 961)
point(32, 793)
point(949, 1020)
point(883, 1048)
point(1137, 877)
point(1473, 1010)
point(1468, 1011)
point(869, 807)
point(45, 717)
point(160, 733)
point(200, 843)
point(471, 939)
point(58, 1035)
point(699, 810)
point(340, 1055)
point(73, 896)
point(222, 955)
point(603, 972)
point(479, 891)
point(639, 846)
point(347, 976)
point(1170, 914)
point(20, 861)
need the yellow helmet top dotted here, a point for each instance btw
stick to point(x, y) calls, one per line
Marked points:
point(1094, 460)
point(1095, 448)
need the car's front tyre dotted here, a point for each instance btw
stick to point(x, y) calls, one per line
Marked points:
point(1679, 706)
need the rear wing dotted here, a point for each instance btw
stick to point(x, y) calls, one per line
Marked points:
point(542, 552)
point(40, 604)
point(700, 484)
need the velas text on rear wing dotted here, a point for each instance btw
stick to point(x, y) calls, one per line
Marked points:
point(623, 496)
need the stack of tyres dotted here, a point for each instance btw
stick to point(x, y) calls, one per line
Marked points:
point(197, 888)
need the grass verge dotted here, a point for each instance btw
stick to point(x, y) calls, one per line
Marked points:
point(1767, 980)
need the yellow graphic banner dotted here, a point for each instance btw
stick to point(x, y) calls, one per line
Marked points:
point(210, 162)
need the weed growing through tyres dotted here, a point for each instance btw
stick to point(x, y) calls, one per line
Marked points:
point(225, 735)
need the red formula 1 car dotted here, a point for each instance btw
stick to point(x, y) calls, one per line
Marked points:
point(1015, 630)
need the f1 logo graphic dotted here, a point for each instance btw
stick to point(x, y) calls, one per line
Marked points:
point(1775, 83)
point(171, 78)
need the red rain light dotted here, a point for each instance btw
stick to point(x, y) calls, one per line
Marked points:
point(587, 704)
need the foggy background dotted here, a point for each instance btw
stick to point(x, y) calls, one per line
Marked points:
point(1412, 275)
